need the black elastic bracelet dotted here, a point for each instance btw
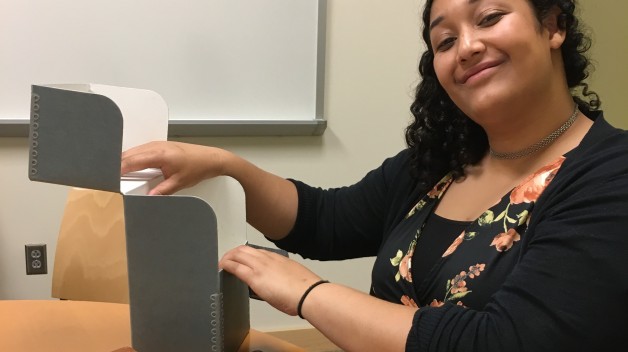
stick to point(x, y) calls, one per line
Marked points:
point(305, 295)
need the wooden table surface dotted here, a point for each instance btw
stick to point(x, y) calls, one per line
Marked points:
point(69, 326)
point(310, 339)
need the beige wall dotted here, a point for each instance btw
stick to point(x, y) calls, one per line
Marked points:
point(609, 31)
point(373, 48)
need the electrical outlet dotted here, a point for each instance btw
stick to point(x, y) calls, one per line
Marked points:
point(36, 259)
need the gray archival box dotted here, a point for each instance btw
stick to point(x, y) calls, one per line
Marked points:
point(179, 300)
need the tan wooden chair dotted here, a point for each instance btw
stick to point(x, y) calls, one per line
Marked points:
point(90, 260)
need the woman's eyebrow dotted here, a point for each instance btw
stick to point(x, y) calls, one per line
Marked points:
point(440, 19)
point(436, 21)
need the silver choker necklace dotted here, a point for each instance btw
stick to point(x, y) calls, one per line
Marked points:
point(540, 144)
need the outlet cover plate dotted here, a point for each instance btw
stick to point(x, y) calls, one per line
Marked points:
point(36, 259)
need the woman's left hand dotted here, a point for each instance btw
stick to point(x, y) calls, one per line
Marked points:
point(276, 279)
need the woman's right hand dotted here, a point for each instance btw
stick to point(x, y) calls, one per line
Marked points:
point(271, 201)
point(182, 165)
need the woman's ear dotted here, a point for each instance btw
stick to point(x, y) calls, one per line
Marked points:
point(554, 27)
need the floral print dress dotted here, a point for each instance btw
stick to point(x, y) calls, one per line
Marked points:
point(478, 261)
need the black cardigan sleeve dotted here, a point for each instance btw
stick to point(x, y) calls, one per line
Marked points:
point(347, 222)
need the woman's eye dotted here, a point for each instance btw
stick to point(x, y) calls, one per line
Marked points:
point(445, 44)
point(491, 19)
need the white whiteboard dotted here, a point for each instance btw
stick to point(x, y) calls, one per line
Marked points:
point(208, 59)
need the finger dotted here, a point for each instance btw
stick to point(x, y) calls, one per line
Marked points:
point(244, 254)
point(241, 271)
point(246, 263)
point(142, 157)
point(166, 187)
point(137, 149)
point(139, 162)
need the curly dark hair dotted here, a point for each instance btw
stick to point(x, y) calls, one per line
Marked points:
point(442, 138)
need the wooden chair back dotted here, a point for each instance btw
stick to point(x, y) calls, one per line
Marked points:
point(90, 259)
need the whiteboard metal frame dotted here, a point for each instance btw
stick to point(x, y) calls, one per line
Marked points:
point(229, 127)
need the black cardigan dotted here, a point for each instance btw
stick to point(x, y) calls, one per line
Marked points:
point(568, 289)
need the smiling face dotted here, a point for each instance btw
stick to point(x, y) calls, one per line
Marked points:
point(492, 54)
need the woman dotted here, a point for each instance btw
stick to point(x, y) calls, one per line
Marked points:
point(500, 227)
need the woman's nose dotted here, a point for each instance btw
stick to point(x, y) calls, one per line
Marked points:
point(470, 46)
